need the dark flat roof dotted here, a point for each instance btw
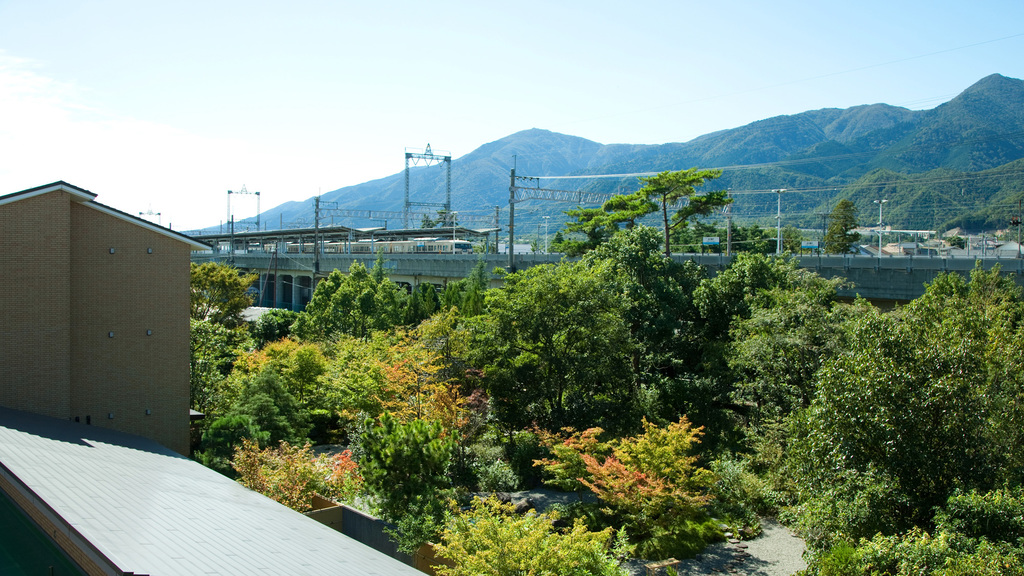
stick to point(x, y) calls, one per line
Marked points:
point(148, 510)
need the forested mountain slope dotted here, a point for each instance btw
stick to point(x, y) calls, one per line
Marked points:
point(936, 167)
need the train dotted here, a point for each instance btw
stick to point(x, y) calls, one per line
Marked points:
point(429, 245)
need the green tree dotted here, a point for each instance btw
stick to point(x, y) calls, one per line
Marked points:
point(593, 223)
point(423, 302)
point(555, 349)
point(840, 238)
point(467, 294)
point(403, 463)
point(213, 350)
point(219, 293)
point(667, 188)
point(354, 304)
point(628, 208)
point(221, 438)
point(790, 329)
point(273, 409)
point(404, 468)
point(656, 293)
point(273, 325)
point(911, 409)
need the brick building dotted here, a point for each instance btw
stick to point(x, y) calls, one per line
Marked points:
point(94, 413)
point(94, 305)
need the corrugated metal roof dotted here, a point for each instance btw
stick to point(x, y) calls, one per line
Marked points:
point(151, 511)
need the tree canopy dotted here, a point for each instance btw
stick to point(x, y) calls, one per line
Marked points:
point(219, 293)
point(840, 238)
point(667, 188)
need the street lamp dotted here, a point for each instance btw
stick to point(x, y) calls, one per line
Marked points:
point(545, 233)
point(880, 202)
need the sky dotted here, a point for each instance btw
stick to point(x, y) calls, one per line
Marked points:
point(162, 107)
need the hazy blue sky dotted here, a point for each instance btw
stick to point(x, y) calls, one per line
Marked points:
point(164, 106)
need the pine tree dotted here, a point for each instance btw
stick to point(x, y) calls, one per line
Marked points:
point(839, 239)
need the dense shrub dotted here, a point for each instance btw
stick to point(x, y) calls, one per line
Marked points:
point(292, 475)
point(489, 540)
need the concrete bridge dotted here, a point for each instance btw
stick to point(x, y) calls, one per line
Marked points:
point(287, 280)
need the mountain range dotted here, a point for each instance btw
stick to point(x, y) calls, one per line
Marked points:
point(959, 164)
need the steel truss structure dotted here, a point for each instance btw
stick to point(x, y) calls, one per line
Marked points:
point(428, 158)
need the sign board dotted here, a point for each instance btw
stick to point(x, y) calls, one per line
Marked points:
point(812, 244)
point(711, 241)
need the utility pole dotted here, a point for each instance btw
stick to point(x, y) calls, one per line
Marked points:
point(880, 202)
point(428, 157)
point(546, 218)
point(150, 212)
point(497, 227)
point(778, 223)
point(244, 191)
point(511, 218)
point(1016, 221)
point(316, 237)
point(728, 228)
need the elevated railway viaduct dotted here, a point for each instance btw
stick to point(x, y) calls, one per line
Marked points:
point(287, 279)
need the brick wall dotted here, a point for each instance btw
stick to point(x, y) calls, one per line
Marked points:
point(35, 301)
point(140, 294)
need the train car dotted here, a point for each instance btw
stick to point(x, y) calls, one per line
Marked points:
point(414, 246)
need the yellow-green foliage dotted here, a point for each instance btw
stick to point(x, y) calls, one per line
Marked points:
point(943, 554)
point(489, 540)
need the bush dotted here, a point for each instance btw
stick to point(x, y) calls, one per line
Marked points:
point(740, 495)
point(489, 540)
point(856, 506)
point(221, 438)
point(520, 453)
point(497, 476)
point(326, 427)
point(566, 469)
point(652, 488)
point(273, 325)
point(917, 553)
point(291, 475)
point(840, 560)
point(997, 515)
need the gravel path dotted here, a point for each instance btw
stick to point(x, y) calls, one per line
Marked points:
point(775, 552)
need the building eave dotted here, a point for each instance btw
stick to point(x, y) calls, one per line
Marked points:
point(87, 198)
point(77, 194)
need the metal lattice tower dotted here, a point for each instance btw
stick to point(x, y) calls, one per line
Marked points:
point(428, 158)
point(244, 191)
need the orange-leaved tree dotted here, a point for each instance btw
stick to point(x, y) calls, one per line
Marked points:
point(649, 485)
point(567, 468)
